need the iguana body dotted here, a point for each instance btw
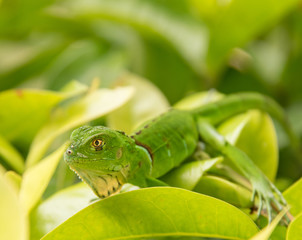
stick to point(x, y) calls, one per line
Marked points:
point(106, 159)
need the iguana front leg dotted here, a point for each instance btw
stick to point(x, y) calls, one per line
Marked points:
point(262, 187)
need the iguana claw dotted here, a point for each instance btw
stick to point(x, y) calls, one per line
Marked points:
point(267, 199)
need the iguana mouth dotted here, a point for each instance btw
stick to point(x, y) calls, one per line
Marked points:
point(103, 184)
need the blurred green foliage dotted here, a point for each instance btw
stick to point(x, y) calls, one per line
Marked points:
point(182, 46)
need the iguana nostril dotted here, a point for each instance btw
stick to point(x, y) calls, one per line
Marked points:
point(69, 152)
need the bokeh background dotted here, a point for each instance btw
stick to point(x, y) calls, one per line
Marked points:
point(182, 46)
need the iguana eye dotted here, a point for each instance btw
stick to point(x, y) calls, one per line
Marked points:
point(97, 142)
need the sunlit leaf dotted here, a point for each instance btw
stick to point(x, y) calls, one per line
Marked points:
point(293, 197)
point(254, 133)
point(36, 178)
point(198, 99)
point(179, 212)
point(295, 229)
point(146, 103)
point(188, 175)
point(58, 208)
point(225, 190)
point(11, 155)
point(13, 222)
point(23, 112)
point(75, 113)
point(61, 206)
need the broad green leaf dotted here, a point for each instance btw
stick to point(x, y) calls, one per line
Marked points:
point(198, 99)
point(293, 196)
point(61, 206)
point(187, 176)
point(225, 190)
point(58, 208)
point(11, 155)
point(265, 233)
point(13, 224)
point(36, 178)
point(146, 103)
point(295, 229)
point(254, 133)
point(156, 212)
point(23, 112)
point(80, 111)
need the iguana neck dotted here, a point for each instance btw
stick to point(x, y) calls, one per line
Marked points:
point(140, 167)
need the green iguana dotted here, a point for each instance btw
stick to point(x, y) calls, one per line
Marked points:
point(106, 159)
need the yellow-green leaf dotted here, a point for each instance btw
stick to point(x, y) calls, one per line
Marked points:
point(198, 99)
point(14, 179)
point(36, 178)
point(23, 112)
point(293, 196)
point(254, 133)
point(188, 175)
point(58, 208)
point(11, 155)
point(13, 224)
point(295, 229)
point(225, 190)
point(157, 212)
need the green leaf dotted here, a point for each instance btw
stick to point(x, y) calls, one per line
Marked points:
point(11, 155)
point(225, 190)
point(13, 222)
point(36, 178)
point(23, 112)
point(75, 113)
point(58, 208)
point(146, 103)
point(265, 233)
point(198, 99)
point(293, 197)
point(156, 212)
point(187, 175)
point(295, 229)
point(254, 130)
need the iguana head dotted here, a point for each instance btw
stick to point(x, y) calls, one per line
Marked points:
point(97, 155)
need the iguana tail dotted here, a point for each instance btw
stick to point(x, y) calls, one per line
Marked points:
point(234, 104)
